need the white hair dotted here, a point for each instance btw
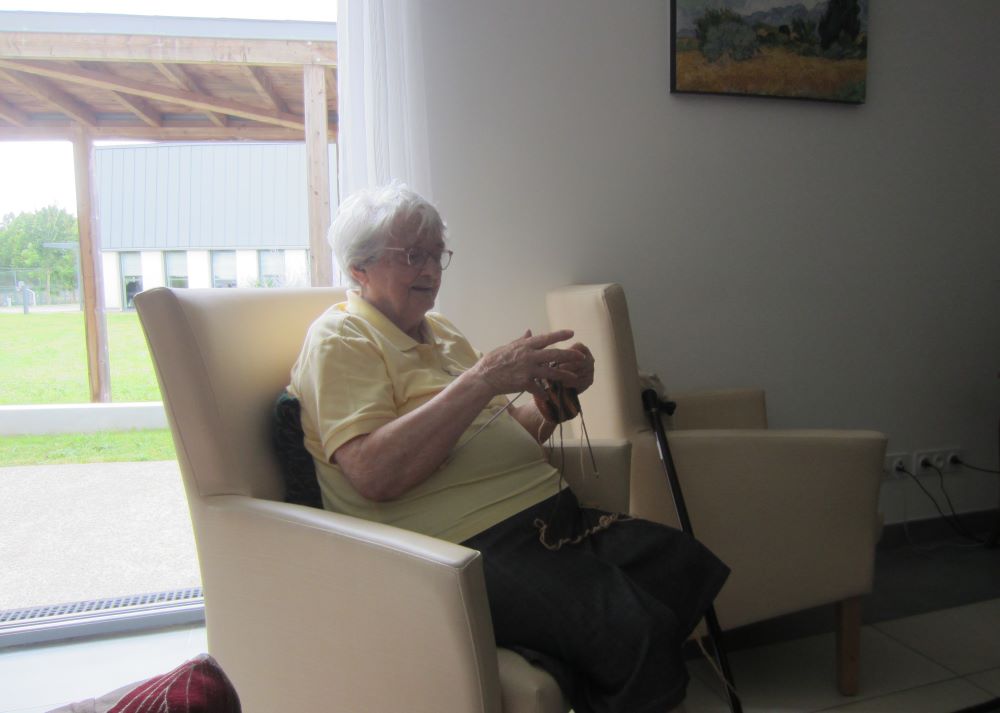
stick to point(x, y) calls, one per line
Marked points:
point(366, 219)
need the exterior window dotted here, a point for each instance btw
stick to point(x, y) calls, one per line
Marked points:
point(223, 268)
point(175, 267)
point(131, 265)
point(272, 267)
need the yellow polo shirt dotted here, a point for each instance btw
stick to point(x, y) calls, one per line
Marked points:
point(358, 371)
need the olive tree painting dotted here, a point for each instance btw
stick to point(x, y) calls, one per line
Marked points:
point(800, 49)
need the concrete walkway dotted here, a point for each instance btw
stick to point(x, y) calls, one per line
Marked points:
point(79, 532)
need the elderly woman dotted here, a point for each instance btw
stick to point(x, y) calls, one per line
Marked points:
point(409, 425)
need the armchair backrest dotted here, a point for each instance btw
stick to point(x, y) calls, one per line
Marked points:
point(598, 314)
point(221, 358)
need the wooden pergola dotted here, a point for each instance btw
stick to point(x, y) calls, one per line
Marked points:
point(167, 79)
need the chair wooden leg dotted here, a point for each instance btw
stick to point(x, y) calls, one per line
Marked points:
point(848, 645)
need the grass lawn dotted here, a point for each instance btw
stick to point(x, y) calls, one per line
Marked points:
point(101, 447)
point(43, 359)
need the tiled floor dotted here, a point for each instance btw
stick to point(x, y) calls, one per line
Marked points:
point(931, 663)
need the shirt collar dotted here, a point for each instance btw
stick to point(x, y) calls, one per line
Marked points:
point(358, 305)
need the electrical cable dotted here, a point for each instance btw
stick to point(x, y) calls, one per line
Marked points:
point(951, 506)
point(956, 527)
point(958, 461)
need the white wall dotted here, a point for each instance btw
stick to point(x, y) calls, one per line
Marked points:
point(297, 268)
point(152, 269)
point(843, 257)
point(247, 268)
point(112, 280)
point(199, 268)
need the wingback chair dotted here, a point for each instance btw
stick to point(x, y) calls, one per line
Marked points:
point(307, 610)
point(792, 512)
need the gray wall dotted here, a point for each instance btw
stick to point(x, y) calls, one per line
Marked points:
point(207, 195)
point(845, 258)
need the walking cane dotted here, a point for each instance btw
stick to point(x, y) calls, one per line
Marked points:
point(651, 403)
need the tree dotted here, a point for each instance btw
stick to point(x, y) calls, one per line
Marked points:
point(841, 23)
point(22, 239)
point(724, 32)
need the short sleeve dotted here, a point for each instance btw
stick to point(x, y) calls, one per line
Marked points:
point(351, 391)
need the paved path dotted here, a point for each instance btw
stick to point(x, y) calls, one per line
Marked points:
point(78, 532)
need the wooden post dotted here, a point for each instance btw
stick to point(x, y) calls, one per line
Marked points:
point(318, 179)
point(91, 269)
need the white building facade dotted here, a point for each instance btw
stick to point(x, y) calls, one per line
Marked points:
point(203, 215)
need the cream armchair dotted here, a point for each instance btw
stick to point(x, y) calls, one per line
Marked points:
point(308, 610)
point(792, 512)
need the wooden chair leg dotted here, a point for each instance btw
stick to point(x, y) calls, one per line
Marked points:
point(848, 645)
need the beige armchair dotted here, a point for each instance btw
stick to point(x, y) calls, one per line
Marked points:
point(309, 610)
point(792, 512)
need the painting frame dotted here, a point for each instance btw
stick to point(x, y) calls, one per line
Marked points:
point(812, 50)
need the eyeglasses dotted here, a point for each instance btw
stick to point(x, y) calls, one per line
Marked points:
point(417, 257)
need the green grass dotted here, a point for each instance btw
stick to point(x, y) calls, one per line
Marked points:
point(43, 359)
point(103, 447)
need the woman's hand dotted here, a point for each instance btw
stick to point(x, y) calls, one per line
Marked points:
point(519, 365)
point(583, 370)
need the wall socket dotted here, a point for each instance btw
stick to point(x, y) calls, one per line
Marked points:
point(892, 460)
point(939, 459)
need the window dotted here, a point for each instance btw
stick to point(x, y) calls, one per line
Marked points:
point(175, 268)
point(272, 267)
point(223, 268)
point(131, 266)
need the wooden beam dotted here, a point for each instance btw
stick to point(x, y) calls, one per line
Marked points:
point(182, 79)
point(190, 99)
point(331, 86)
point(91, 269)
point(47, 91)
point(140, 107)
point(137, 106)
point(9, 112)
point(156, 48)
point(318, 178)
point(264, 87)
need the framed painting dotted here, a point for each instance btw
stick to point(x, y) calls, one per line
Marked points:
point(796, 49)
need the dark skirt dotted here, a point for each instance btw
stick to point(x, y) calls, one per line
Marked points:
point(606, 616)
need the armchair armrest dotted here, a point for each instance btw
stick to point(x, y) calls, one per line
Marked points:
point(729, 408)
point(361, 602)
point(793, 513)
point(608, 488)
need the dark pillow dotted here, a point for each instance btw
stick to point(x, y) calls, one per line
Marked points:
point(297, 467)
point(196, 686)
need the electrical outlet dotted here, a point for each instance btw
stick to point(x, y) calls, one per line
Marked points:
point(895, 463)
point(953, 457)
point(929, 462)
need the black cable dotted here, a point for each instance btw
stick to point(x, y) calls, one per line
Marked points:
point(957, 528)
point(958, 461)
point(940, 474)
point(951, 506)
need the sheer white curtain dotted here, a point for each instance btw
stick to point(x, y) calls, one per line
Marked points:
point(382, 131)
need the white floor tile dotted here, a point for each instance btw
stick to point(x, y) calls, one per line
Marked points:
point(52, 675)
point(800, 675)
point(990, 680)
point(942, 697)
point(963, 639)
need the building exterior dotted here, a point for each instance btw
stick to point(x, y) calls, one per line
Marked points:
point(202, 215)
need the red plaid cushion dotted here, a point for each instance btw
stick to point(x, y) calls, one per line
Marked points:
point(196, 686)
